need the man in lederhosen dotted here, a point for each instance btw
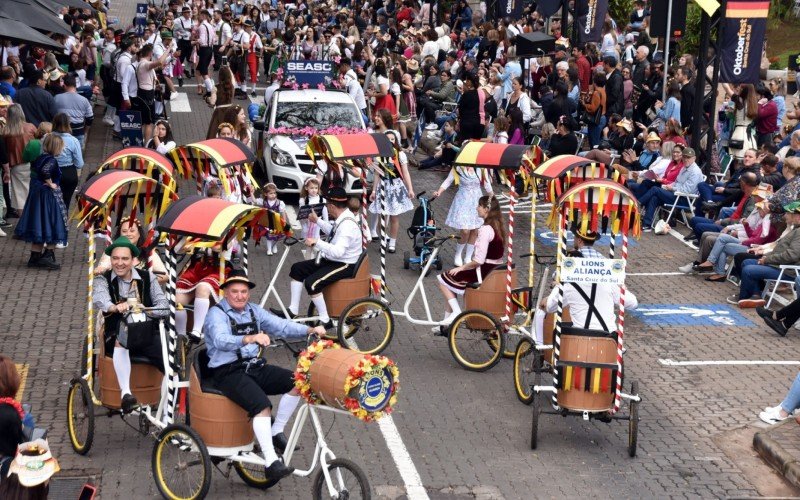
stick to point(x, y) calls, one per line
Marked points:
point(235, 329)
point(337, 256)
point(182, 29)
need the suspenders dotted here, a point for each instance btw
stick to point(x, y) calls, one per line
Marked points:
point(592, 308)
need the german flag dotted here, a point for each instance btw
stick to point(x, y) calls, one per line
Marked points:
point(747, 10)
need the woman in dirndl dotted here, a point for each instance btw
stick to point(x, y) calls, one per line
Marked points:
point(489, 249)
point(395, 186)
point(471, 184)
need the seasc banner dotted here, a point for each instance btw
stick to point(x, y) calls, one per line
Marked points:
point(743, 40)
point(310, 72)
point(510, 8)
point(591, 15)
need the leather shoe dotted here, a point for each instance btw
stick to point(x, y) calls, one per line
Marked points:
point(711, 206)
point(280, 314)
point(277, 471)
point(689, 237)
point(776, 325)
point(280, 442)
point(129, 403)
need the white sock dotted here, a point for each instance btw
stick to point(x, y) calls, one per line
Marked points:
point(459, 248)
point(453, 303)
point(209, 84)
point(373, 226)
point(392, 242)
point(285, 410)
point(200, 310)
point(262, 429)
point(538, 318)
point(470, 249)
point(122, 366)
point(181, 319)
point(322, 310)
point(297, 289)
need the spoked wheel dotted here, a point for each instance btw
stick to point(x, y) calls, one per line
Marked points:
point(513, 337)
point(537, 398)
point(366, 325)
point(633, 423)
point(524, 368)
point(254, 475)
point(476, 340)
point(180, 464)
point(80, 416)
point(347, 479)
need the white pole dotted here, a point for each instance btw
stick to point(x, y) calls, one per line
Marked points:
point(666, 52)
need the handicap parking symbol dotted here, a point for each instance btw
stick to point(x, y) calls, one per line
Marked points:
point(550, 239)
point(690, 314)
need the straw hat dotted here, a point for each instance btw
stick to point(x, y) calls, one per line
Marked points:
point(5, 101)
point(34, 464)
point(763, 191)
point(412, 65)
point(653, 137)
point(626, 124)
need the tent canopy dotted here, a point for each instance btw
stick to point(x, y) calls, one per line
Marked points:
point(18, 32)
point(223, 152)
point(352, 146)
point(34, 15)
point(206, 218)
point(143, 158)
point(490, 155)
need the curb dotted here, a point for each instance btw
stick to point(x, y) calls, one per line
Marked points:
point(774, 454)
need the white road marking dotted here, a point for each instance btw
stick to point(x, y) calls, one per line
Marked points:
point(679, 237)
point(180, 104)
point(730, 362)
point(402, 459)
point(292, 216)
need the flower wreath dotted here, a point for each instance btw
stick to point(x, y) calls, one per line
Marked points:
point(354, 377)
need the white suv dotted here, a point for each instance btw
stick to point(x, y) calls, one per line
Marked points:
point(285, 159)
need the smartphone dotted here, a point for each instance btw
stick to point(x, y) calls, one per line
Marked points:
point(224, 60)
point(88, 492)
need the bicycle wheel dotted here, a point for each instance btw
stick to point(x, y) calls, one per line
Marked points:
point(180, 464)
point(524, 369)
point(633, 422)
point(347, 480)
point(254, 475)
point(512, 338)
point(366, 325)
point(80, 416)
point(476, 340)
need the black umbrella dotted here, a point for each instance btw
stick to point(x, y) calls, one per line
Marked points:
point(534, 44)
point(18, 32)
point(34, 15)
point(55, 5)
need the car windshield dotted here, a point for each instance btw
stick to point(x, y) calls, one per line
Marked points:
point(317, 115)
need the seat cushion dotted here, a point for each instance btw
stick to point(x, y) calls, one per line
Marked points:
point(203, 372)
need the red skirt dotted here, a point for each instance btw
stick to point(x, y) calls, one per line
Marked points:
point(458, 283)
point(201, 271)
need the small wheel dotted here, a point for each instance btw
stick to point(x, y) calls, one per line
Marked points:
point(537, 399)
point(366, 325)
point(633, 422)
point(80, 416)
point(476, 340)
point(254, 475)
point(524, 358)
point(406, 260)
point(347, 480)
point(180, 464)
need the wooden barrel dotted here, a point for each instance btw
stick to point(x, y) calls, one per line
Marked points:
point(342, 293)
point(489, 297)
point(587, 350)
point(219, 421)
point(549, 331)
point(328, 374)
point(145, 383)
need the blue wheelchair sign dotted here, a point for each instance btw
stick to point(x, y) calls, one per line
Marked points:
point(689, 315)
point(550, 239)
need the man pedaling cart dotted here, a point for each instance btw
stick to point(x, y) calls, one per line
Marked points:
point(234, 332)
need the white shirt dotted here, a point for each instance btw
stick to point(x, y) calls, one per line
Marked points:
point(430, 48)
point(183, 29)
point(130, 87)
point(123, 63)
point(345, 246)
point(606, 299)
point(242, 38)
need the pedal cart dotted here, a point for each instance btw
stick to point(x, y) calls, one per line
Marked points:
point(352, 299)
point(587, 365)
point(217, 430)
point(107, 194)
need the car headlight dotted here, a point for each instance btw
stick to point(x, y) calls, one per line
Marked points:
point(281, 157)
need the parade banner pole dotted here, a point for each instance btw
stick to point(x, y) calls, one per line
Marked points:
point(562, 252)
point(89, 374)
point(667, 39)
point(510, 246)
point(245, 264)
point(364, 213)
point(172, 265)
point(384, 240)
point(621, 317)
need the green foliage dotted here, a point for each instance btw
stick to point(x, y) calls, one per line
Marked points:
point(620, 11)
point(689, 43)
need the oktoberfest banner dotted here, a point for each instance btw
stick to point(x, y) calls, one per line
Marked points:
point(743, 41)
point(510, 8)
point(591, 15)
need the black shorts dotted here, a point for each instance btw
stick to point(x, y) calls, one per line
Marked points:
point(203, 59)
point(145, 103)
point(250, 389)
point(317, 277)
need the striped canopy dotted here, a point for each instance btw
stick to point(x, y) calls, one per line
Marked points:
point(560, 165)
point(489, 155)
point(351, 146)
point(223, 152)
point(206, 218)
point(141, 160)
point(101, 188)
point(600, 202)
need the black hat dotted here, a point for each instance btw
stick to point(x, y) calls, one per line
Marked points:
point(248, 23)
point(237, 276)
point(186, 8)
point(337, 193)
point(587, 236)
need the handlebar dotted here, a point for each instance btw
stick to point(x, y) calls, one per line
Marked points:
point(546, 259)
point(295, 346)
point(290, 240)
point(437, 242)
point(421, 193)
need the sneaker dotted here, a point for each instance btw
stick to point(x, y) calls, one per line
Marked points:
point(772, 416)
point(647, 229)
point(688, 268)
point(129, 403)
point(5, 224)
point(173, 96)
point(277, 471)
point(2, 234)
point(733, 299)
point(704, 269)
point(62, 245)
point(751, 303)
point(689, 237)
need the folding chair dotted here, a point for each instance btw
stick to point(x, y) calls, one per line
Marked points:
point(724, 163)
point(536, 140)
point(683, 202)
point(790, 272)
point(581, 136)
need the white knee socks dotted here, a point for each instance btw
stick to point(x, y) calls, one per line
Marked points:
point(200, 310)
point(459, 249)
point(322, 310)
point(209, 83)
point(285, 410)
point(122, 367)
point(262, 429)
point(296, 289)
point(180, 322)
point(454, 307)
point(469, 250)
